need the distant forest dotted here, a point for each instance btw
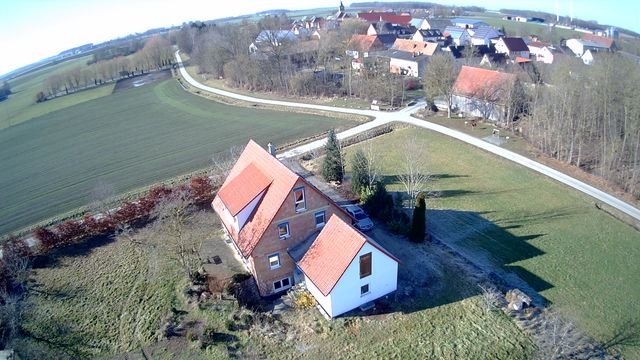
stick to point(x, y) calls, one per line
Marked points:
point(410, 5)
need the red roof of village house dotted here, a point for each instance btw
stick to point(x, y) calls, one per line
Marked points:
point(604, 41)
point(255, 160)
point(412, 46)
point(239, 192)
point(474, 81)
point(520, 59)
point(332, 252)
point(365, 43)
point(386, 17)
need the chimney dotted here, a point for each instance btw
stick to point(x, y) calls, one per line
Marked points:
point(271, 149)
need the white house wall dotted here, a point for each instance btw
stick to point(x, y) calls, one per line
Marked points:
point(245, 213)
point(413, 67)
point(576, 46)
point(345, 295)
point(479, 108)
point(324, 301)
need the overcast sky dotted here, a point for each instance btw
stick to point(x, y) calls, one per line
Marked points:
point(34, 29)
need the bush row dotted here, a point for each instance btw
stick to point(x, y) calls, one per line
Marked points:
point(199, 190)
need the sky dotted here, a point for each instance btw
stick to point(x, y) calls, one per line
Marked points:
point(31, 30)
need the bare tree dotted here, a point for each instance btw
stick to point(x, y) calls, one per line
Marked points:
point(440, 75)
point(415, 176)
point(558, 338)
point(100, 197)
point(171, 220)
point(222, 163)
point(372, 163)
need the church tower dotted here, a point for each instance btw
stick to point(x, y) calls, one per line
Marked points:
point(341, 7)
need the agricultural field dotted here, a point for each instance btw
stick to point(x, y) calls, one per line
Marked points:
point(502, 216)
point(21, 105)
point(130, 139)
point(519, 29)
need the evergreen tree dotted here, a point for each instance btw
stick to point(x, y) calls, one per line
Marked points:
point(332, 169)
point(359, 179)
point(418, 222)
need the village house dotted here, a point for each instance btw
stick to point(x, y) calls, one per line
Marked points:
point(415, 47)
point(361, 45)
point(404, 62)
point(344, 268)
point(430, 24)
point(383, 28)
point(268, 38)
point(482, 92)
point(468, 23)
point(395, 19)
point(587, 57)
point(541, 52)
point(483, 35)
point(431, 35)
point(590, 42)
point(457, 36)
point(512, 47)
point(281, 227)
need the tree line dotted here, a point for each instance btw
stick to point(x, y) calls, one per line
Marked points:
point(589, 117)
point(156, 54)
point(304, 67)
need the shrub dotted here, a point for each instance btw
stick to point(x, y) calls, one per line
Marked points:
point(304, 300)
point(332, 169)
point(48, 239)
point(418, 222)
point(40, 97)
point(359, 176)
point(377, 202)
point(201, 189)
point(69, 231)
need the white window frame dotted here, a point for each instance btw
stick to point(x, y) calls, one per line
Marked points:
point(288, 234)
point(274, 266)
point(303, 201)
point(282, 287)
point(324, 218)
point(368, 289)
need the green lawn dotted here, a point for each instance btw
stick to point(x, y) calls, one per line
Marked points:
point(578, 258)
point(110, 298)
point(130, 139)
point(518, 29)
point(21, 106)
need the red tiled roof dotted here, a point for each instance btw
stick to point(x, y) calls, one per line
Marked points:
point(386, 17)
point(332, 252)
point(365, 43)
point(538, 44)
point(606, 42)
point(243, 188)
point(282, 182)
point(421, 47)
point(520, 59)
point(474, 81)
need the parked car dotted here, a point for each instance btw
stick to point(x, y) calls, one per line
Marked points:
point(361, 219)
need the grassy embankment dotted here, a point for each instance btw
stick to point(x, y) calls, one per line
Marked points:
point(579, 258)
point(130, 139)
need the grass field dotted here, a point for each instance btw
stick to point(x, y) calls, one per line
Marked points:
point(579, 258)
point(21, 106)
point(130, 139)
point(110, 298)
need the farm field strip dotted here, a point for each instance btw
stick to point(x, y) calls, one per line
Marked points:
point(130, 139)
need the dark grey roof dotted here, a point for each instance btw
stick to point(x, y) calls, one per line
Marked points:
point(515, 44)
point(438, 23)
point(388, 39)
point(483, 31)
point(430, 33)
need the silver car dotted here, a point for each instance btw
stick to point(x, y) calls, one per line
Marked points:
point(361, 220)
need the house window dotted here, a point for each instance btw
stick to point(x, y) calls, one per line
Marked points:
point(282, 284)
point(283, 230)
point(274, 261)
point(364, 289)
point(365, 265)
point(320, 219)
point(298, 196)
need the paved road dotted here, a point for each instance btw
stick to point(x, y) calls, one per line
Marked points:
point(404, 115)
